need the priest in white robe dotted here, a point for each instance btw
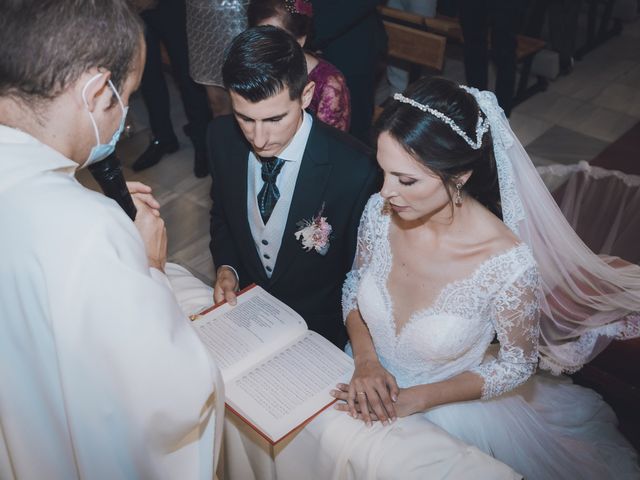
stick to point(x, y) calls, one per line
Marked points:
point(101, 374)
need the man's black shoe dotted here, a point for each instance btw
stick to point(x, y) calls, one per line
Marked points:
point(566, 65)
point(154, 152)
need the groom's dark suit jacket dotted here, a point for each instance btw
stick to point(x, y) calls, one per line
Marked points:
point(336, 171)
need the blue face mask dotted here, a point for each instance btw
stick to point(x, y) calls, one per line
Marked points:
point(100, 151)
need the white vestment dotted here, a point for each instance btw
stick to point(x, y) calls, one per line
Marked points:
point(101, 374)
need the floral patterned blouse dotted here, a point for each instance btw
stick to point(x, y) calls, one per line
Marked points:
point(331, 101)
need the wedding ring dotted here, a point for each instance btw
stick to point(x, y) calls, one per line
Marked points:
point(360, 393)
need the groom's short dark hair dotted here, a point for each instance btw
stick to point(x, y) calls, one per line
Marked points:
point(262, 61)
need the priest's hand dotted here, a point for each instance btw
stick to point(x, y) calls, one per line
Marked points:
point(153, 233)
point(143, 193)
point(226, 285)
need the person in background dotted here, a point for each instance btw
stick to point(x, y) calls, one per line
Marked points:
point(351, 36)
point(563, 28)
point(330, 102)
point(102, 376)
point(503, 18)
point(165, 22)
point(397, 77)
point(211, 25)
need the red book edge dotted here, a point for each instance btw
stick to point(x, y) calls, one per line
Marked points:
point(216, 305)
point(264, 435)
point(235, 412)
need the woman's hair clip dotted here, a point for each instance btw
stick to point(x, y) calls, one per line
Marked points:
point(482, 126)
point(299, 7)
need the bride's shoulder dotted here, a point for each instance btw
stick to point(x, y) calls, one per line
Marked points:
point(498, 240)
point(496, 236)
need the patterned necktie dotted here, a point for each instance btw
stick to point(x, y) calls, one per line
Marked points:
point(269, 194)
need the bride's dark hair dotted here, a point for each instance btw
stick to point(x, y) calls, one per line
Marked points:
point(434, 144)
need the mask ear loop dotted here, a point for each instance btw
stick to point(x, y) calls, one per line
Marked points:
point(115, 91)
point(86, 104)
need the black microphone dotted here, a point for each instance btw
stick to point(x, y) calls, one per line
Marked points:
point(108, 174)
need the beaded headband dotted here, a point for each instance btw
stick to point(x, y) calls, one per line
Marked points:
point(482, 126)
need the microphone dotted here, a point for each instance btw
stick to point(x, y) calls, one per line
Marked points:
point(108, 174)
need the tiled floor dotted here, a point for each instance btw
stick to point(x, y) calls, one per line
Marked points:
point(575, 119)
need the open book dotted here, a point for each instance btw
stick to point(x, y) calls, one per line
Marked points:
point(277, 373)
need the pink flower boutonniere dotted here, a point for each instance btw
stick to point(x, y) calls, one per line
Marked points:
point(315, 233)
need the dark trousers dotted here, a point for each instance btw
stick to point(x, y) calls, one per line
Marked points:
point(167, 23)
point(563, 28)
point(504, 19)
point(361, 90)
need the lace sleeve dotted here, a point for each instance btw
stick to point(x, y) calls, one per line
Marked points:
point(364, 250)
point(516, 313)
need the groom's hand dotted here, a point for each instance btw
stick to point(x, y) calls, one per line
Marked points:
point(226, 286)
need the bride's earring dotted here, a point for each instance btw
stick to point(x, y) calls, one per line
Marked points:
point(458, 199)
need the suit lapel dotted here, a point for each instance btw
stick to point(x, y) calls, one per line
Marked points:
point(237, 206)
point(307, 200)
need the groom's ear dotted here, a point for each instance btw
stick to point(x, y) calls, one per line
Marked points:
point(307, 94)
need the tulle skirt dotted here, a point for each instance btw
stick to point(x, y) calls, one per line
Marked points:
point(548, 428)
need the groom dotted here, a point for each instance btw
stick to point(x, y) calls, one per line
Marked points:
point(274, 168)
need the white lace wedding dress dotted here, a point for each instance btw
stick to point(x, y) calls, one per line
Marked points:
point(542, 426)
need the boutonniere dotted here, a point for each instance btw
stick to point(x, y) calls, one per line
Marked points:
point(315, 233)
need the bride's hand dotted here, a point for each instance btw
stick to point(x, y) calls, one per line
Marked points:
point(373, 389)
point(406, 404)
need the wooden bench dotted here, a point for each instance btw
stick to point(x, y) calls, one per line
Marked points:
point(418, 47)
point(409, 40)
point(411, 43)
point(450, 28)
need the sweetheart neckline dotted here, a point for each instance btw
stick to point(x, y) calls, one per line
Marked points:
point(389, 303)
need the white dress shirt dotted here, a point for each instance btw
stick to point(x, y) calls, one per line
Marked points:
point(101, 374)
point(268, 238)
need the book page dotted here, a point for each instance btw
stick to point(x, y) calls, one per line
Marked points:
point(287, 389)
point(239, 337)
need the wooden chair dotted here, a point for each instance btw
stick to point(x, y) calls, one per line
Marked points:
point(450, 28)
point(416, 46)
point(411, 43)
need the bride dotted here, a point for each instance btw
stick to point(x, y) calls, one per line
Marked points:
point(466, 278)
